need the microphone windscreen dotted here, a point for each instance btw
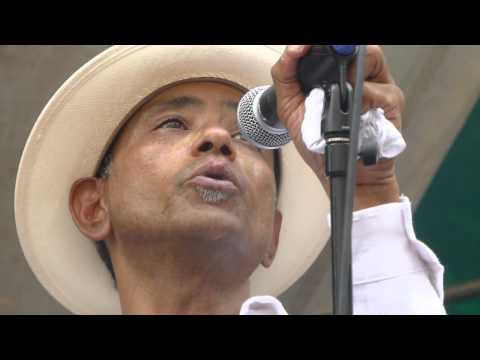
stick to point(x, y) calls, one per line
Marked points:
point(253, 126)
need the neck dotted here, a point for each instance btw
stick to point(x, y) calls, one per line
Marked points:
point(144, 300)
point(167, 285)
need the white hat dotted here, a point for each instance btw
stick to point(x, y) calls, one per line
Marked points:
point(72, 134)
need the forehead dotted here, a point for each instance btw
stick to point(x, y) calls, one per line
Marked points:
point(212, 93)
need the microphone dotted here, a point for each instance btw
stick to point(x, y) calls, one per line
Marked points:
point(257, 111)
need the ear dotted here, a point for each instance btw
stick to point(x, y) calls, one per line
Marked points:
point(272, 249)
point(88, 208)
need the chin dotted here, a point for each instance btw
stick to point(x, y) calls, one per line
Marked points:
point(215, 222)
point(218, 219)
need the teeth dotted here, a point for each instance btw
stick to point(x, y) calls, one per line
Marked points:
point(211, 196)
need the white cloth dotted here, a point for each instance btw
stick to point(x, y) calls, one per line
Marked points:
point(393, 272)
point(374, 123)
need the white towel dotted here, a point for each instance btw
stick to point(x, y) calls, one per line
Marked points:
point(390, 141)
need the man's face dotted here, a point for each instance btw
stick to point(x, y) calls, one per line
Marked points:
point(182, 176)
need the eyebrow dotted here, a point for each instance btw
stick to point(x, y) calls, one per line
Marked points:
point(179, 103)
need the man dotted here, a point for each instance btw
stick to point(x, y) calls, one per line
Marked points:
point(188, 210)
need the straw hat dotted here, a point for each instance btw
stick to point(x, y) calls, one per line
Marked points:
point(73, 132)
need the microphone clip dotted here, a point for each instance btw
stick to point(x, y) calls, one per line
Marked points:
point(336, 126)
point(326, 67)
point(336, 130)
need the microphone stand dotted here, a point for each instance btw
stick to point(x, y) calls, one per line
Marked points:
point(340, 129)
point(326, 67)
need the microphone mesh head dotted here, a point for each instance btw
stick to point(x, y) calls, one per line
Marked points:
point(253, 127)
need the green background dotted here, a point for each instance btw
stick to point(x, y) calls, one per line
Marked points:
point(447, 217)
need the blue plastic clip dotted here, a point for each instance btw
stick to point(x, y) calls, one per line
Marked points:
point(345, 50)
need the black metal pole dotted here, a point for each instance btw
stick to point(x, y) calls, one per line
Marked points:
point(337, 135)
point(342, 293)
point(351, 179)
point(462, 292)
point(342, 134)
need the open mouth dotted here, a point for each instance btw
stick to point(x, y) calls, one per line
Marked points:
point(214, 182)
point(224, 188)
point(215, 176)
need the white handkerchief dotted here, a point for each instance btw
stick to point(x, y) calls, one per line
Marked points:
point(390, 141)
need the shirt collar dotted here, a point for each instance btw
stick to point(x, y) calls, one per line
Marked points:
point(262, 305)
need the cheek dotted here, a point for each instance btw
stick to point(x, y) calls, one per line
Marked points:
point(145, 175)
point(261, 190)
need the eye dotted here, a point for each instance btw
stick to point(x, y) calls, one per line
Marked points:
point(172, 123)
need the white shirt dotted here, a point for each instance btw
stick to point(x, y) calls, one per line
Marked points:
point(393, 272)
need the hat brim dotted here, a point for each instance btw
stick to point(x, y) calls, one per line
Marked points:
point(72, 133)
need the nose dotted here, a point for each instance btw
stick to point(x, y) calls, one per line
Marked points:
point(215, 140)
